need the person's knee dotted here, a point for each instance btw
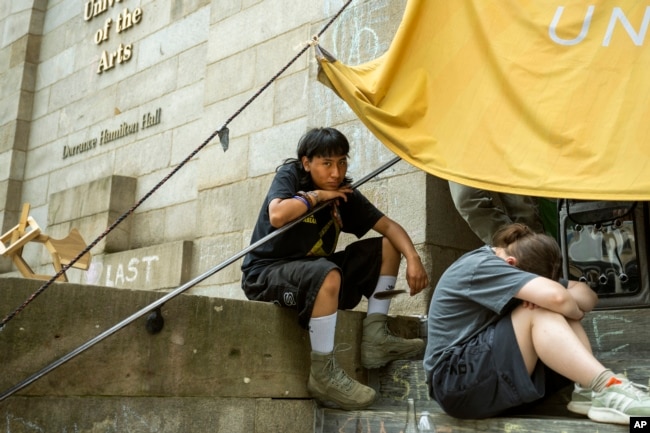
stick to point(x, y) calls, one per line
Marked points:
point(532, 315)
point(331, 285)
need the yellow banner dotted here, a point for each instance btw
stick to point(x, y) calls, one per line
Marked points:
point(537, 97)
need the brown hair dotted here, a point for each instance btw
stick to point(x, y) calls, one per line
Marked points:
point(535, 252)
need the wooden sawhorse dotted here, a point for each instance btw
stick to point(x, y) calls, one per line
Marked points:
point(63, 251)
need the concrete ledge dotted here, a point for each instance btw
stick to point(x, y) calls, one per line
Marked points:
point(155, 414)
point(209, 347)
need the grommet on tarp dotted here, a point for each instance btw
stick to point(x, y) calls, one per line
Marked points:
point(155, 322)
point(224, 137)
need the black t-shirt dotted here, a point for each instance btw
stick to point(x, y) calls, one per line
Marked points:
point(316, 235)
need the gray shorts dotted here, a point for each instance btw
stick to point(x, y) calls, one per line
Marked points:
point(296, 283)
point(488, 376)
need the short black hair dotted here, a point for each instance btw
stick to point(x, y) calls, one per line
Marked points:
point(323, 142)
point(319, 142)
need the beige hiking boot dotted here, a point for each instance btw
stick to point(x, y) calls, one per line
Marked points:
point(379, 346)
point(329, 383)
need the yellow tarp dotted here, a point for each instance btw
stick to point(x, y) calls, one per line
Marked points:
point(538, 97)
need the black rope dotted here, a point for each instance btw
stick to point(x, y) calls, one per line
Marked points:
point(122, 217)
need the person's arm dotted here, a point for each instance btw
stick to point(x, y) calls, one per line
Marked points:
point(416, 275)
point(551, 295)
point(283, 211)
point(583, 295)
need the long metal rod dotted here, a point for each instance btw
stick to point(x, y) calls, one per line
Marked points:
point(178, 290)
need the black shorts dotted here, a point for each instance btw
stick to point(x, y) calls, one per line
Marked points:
point(488, 376)
point(296, 283)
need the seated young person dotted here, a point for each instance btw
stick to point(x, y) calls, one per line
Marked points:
point(501, 328)
point(301, 268)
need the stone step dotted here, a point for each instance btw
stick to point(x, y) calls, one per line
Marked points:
point(225, 365)
point(217, 365)
point(393, 420)
point(619, 340)
point(238, 366)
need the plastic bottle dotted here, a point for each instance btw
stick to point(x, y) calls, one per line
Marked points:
point(426, 423)
point(411, 420)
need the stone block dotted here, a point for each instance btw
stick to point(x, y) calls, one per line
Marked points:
point(6, 159)
point(150, 87)
point(59, 14)
point(87, 112)
point(268, 148)
point(55, 68)
point(15, 25)
point(10, 202)
point(272, 18)
point(157, 414)
point(289, 44)
point(180, 221)
point(50, 42)
point(181, 9)
point(45, 129)
point(70, 88)
point(174, 38)
point(9, 108)
point(401, 199)
point(7, 138)
point(114, 193)
point(217, 167)
point(146, 155)
point(147, 228)
point(25, 105)
point(12, 80)
point(191, 65)
point(228, 208)
point(177, 189)
point(151, 268)
point(291, 97)
point(220, 105)
point(95, 204)
point(233, 75)
point(179, 106)
point(210, 252)
point(16, 160)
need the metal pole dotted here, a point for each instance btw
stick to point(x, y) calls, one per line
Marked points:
point(178, 291)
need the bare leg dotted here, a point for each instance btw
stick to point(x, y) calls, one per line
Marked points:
point(562, 346)
point(327, 300)
point(390, 258)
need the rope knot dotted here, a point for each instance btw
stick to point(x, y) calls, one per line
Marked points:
point(313, 41)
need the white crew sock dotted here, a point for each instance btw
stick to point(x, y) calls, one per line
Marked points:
point(385, 282)
point(321, 333)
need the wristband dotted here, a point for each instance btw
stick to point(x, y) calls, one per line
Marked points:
point(310, 196)
point(304, 200)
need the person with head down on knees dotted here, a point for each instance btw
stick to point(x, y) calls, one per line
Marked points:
point(301, 268)
point(504, 331)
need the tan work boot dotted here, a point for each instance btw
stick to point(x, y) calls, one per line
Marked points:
point(379, 346)
point(329, 383)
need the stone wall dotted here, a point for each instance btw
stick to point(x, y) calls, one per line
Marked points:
point(132, 90)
